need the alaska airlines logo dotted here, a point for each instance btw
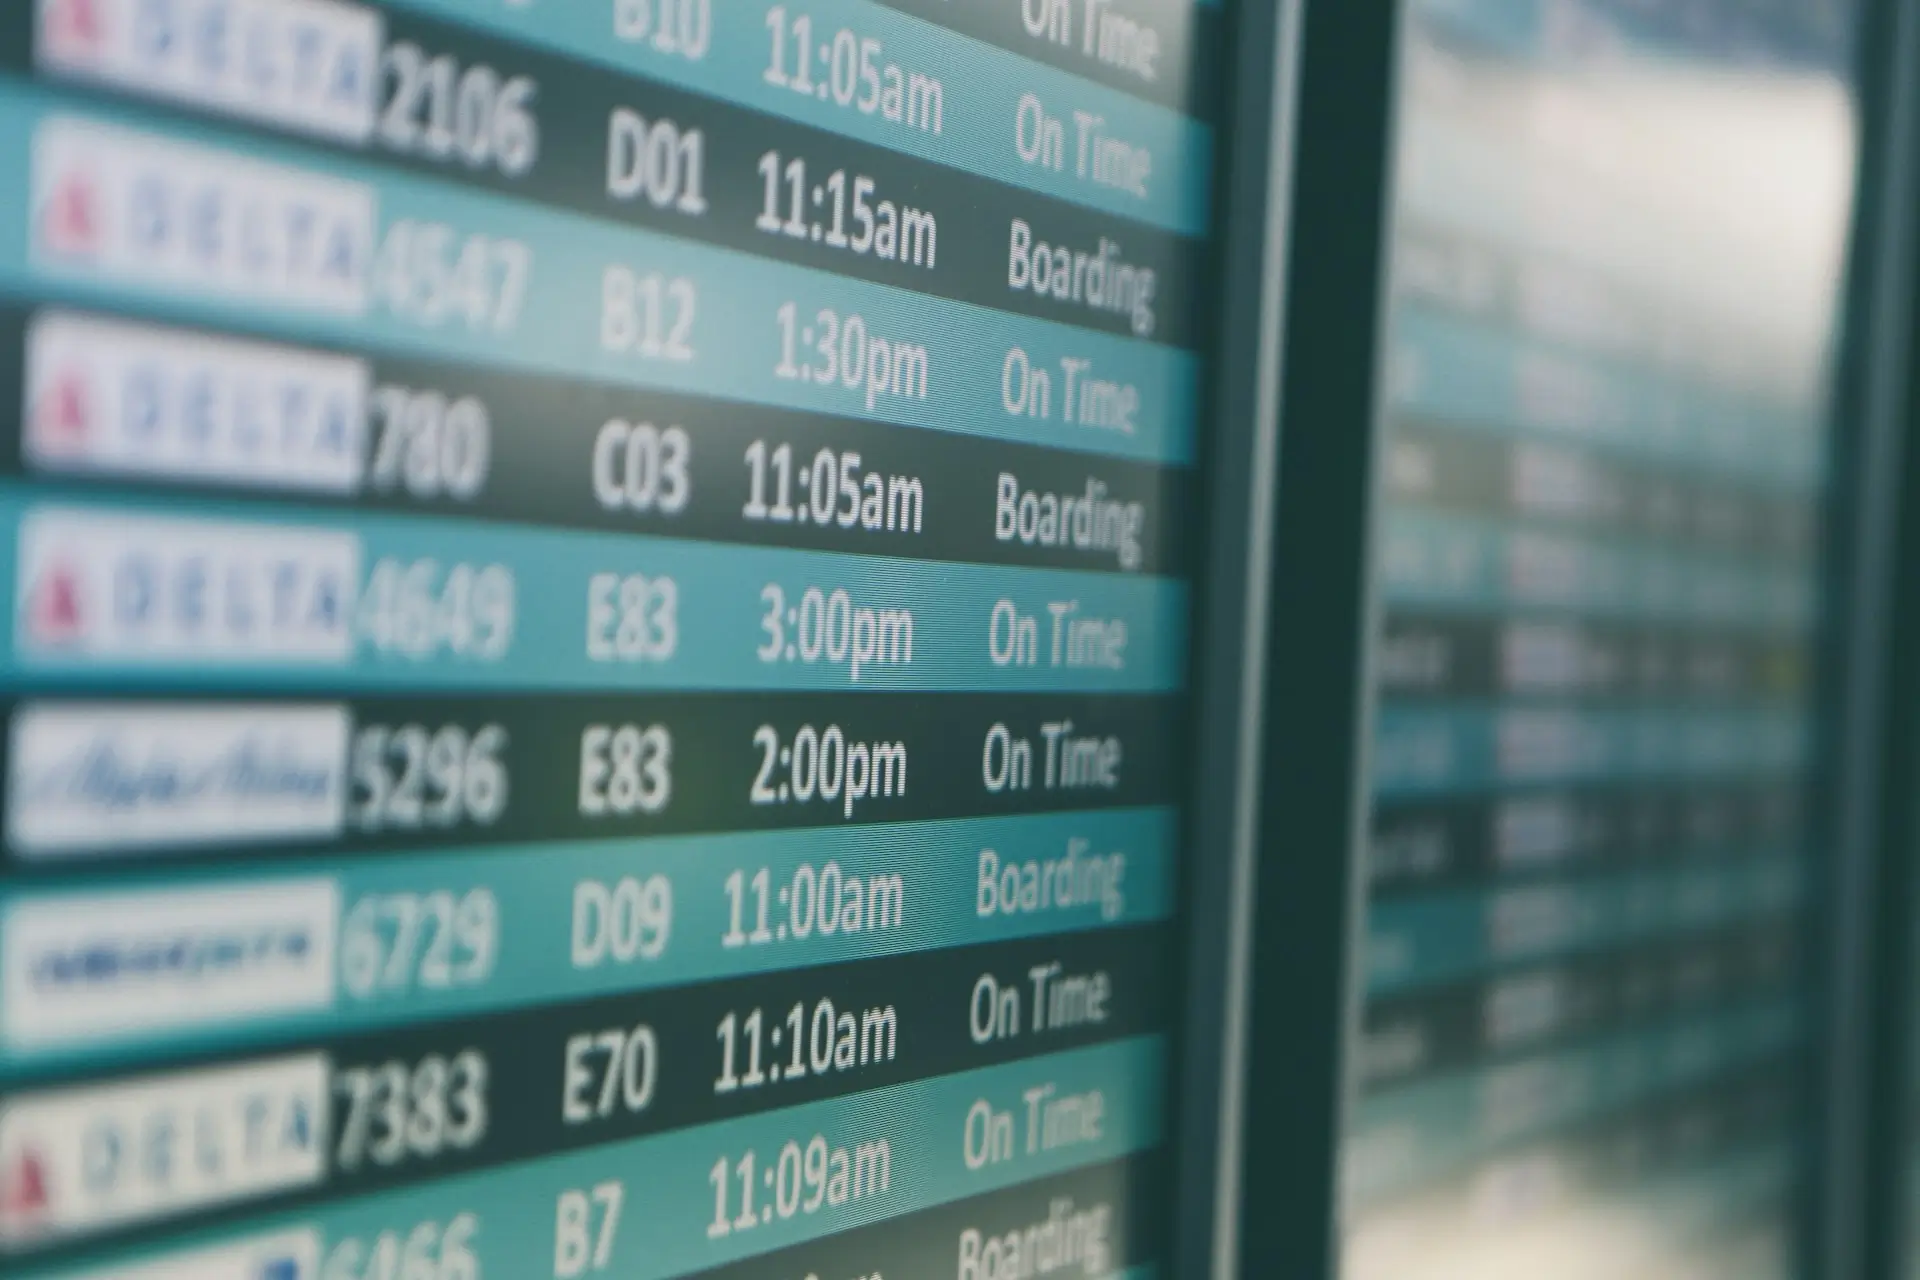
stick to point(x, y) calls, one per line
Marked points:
point(103, 777)
point(87, 967)
point(107, 396)
point(306, 64)
point(82, 1160)
point(105, 586)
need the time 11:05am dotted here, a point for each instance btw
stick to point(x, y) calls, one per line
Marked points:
point(849, 70)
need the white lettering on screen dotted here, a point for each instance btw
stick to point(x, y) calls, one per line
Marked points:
point(1099, 281)
point(1086, 521)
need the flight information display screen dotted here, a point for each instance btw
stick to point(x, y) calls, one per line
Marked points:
point(1616, 258)
point(600, 616)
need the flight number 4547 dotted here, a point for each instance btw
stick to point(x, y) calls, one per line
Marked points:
point(429, 274)
point(428, 1252)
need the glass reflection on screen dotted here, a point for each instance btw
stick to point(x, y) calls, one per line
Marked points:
point(1618, 237)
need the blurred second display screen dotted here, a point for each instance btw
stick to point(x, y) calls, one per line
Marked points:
point(1617, 250)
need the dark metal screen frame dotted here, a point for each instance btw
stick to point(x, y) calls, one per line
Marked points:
point(1870, 800)
point(1314, 736)
point(1240, 457)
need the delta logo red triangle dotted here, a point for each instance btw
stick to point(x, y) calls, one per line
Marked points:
point(54, 611)
point(63, 419)
point(75, 26)
point(24, 1194)
point(71, 220)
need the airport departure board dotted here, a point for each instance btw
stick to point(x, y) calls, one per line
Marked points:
point(1616, 258)
point(600, 615)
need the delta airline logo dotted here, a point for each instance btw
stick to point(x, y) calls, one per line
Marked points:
point(144, 210)
point(293, 1255)
point(138, 400)
point(310, 65)
point(104, 587)
point(86, 779)
point(80, 1161)
point(77, 969)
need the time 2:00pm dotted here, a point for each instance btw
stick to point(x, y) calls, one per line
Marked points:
point(821, 764)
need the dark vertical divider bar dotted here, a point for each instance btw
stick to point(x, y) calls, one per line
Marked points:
point(1868, 797)
point(1239, 456)
point(1866, 1220)
point(1312, 758)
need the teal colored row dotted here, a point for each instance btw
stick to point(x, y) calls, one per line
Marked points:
point(162, 590)
point(1444, 938)
point(534, 924)
point(991, 101)
point(338, 250)
point(1467, 371)
point(1525, 31)
point(1427, 750)
point(913, 1146)
point(1434, 559)
point(1405, 1136)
